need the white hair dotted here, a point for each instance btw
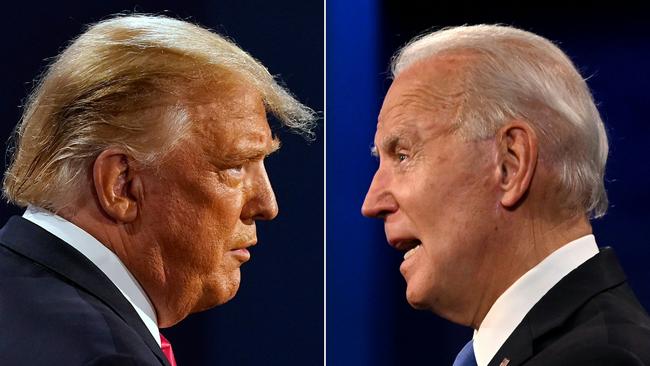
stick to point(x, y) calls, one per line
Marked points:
point(517, 74)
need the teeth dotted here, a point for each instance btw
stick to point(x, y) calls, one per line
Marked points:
point(411, 252)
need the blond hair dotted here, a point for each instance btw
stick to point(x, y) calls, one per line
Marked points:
point(518, 74)
point(119, 84)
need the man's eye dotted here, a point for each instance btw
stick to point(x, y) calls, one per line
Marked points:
point(236, 169)
point(402, 157)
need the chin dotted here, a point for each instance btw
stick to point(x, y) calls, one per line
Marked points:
point(223, 290)
point(422, 299)
point(417, 298)
point(230, 294)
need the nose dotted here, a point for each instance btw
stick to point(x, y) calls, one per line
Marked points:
point(379, 201)
point(261, 204)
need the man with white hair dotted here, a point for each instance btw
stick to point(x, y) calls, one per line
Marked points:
point(140, 161)
point(492, 157)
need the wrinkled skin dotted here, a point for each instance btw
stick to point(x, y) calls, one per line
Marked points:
point(196, 211)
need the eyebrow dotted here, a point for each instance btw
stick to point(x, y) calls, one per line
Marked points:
point(275, 146)
point(389, 143)
point(255, 153)
point(264, 152)
point(373, 151)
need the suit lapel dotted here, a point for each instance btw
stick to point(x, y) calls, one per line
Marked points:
point(35, 243)
point(517, 348)
point(596, 275)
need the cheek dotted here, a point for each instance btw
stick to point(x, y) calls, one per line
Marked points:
point(426, 203)
point(453, 201)
point(197, 219)
point(211, 203)
point(218, 225)
point(197, 207)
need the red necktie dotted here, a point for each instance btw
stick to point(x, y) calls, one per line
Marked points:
point(167, 350)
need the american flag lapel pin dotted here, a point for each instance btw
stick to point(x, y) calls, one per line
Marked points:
point(505, 362)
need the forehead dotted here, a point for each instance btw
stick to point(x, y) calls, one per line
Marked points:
point(230, 117)
point(425, 98)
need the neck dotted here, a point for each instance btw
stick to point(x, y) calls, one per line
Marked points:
point(532, 240)
point(138, 253)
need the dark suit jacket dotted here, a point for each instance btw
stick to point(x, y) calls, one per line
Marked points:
point(591, 317)
point(58, 308)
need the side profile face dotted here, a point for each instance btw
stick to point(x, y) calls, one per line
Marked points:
point(435, 191)
point(200, 206)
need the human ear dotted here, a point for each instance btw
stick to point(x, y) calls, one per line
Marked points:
point(517, 160)
point(117, 185)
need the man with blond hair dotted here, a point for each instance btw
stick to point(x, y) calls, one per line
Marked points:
point(492, 158)
point(140, 162)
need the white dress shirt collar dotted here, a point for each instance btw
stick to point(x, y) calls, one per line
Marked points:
point(103, 258)
point(512, 306)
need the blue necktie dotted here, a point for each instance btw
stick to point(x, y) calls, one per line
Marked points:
point(466, 355)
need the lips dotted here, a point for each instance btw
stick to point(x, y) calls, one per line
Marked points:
point(241, 251)
point(405, 244)
point(245, 245)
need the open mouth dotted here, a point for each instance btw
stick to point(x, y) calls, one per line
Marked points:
point(408, 246)
point(415, 248)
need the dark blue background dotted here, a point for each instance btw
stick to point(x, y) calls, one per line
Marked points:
point(368, 319)
point(277, 316)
